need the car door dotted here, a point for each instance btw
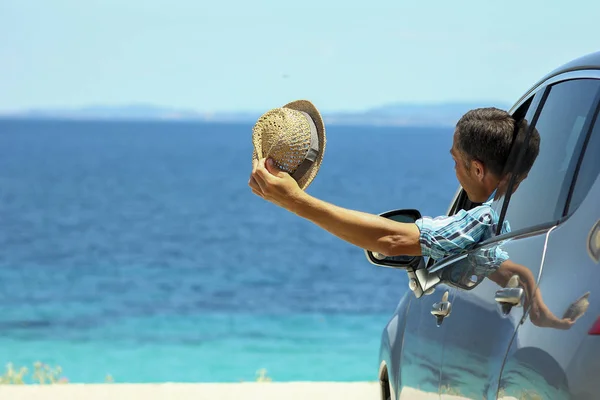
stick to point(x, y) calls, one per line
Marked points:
point(550, 360)
point(421, 359)
point(424, 335)
point(495, 283)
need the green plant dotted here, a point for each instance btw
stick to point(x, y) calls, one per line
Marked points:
point(12, 376)
point(42, 374)
point(261, 376)
point(447, 389)
point(529, 394)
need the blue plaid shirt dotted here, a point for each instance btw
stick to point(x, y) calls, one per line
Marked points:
point(449, 235)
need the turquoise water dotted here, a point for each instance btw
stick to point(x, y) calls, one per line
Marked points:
point(225, 347)
point(138, 250)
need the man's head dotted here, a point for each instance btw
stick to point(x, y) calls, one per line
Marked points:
point(482, 143)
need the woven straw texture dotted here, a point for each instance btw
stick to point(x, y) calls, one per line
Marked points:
point(283, 134)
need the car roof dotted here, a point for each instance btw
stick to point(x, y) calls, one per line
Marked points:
point(586, 62)
point(589, 61)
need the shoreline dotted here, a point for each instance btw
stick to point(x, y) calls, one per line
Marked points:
point(184, 391)
point(213, 391)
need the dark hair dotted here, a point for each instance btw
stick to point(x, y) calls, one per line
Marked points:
point(486, 135)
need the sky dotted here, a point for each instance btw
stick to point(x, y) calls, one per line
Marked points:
point(212, 56)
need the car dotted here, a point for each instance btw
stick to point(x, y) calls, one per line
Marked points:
point(529, 329)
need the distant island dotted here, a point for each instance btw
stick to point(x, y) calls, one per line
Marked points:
point(396, 114)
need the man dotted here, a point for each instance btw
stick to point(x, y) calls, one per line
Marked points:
point(481, 147)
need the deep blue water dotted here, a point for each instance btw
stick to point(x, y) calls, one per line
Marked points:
point(138, 250)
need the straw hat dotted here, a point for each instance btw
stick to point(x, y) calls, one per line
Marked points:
point(294, 137)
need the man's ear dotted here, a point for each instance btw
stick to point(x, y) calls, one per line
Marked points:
point(478, 169)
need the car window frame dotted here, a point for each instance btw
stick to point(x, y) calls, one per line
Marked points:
point(460, 198)
point(543, 89)
point(567, 212)
point(586, 131)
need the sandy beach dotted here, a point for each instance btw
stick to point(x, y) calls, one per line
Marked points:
point(185, 391)
point(212, 391)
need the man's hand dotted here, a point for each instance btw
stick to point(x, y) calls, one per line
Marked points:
point(274, 185)
point(541, 316)
point(539, 313)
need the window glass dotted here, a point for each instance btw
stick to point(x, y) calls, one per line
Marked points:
point(544, 172)
point(589, 169)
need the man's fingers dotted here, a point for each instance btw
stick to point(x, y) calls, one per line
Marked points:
point(260, 181)
point(256, 182)
point(253, 184)
point(273, 169)
point(256, 192)
point(262, 172)
point(255, 187)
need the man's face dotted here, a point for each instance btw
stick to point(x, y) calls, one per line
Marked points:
point(469, 174)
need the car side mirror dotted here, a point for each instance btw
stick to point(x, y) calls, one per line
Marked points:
point(404, 215)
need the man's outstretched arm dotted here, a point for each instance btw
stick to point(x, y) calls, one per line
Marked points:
point(364, 230)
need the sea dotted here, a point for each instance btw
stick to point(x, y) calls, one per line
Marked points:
point(136, 252)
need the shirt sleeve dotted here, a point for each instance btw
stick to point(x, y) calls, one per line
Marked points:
point(445, 236)
point(488, 260)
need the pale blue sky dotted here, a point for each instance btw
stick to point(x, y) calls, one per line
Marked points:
point(253, 55)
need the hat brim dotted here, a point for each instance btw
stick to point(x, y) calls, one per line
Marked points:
point(309, 108)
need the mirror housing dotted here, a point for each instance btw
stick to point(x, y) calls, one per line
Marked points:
point(404, 262)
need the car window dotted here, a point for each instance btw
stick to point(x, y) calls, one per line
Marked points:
point(588, 170)
point(547, 156)
point(525, 111)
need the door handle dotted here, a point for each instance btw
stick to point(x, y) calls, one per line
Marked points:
point(441, 309)
point(510, 296)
